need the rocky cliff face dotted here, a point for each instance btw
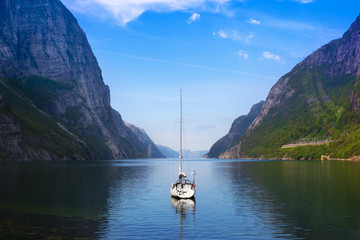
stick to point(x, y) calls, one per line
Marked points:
point(238, 128)
point(341, 56)
point(319, 97)
point(168, 152)
point(143, 146)
point(278, 94)
point(146, 145)
point(42, 38)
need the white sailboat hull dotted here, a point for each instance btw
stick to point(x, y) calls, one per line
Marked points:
point(179, 190)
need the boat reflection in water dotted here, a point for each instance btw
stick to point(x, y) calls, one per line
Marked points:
point(183, 206)
point(186, 210)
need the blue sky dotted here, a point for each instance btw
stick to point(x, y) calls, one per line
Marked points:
point(225, 55)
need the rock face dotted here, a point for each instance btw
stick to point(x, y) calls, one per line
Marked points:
point(10, 127)
point(145, 146)
point(319, 97)
point(342, 56)
point(238, 128)
point(194, 154)
point(168, 152)
point(46, 59)
point(278, 94)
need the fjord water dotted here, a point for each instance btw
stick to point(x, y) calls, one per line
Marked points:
point(130, 199)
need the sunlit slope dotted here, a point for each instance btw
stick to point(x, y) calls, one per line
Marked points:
point(320, 97)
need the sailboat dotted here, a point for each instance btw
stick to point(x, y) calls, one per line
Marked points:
point(182, 188)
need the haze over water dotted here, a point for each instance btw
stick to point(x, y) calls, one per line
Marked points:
point(130, 199)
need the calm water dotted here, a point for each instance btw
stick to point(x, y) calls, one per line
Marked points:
point(131, 200)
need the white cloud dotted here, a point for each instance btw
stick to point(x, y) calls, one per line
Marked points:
point(247, 40)
point(233, 35)
point(269, 55)
point(125, 11)
point(305, 1)
point(193, 18)
point(221, 34)
point(242, 54)
point(254, 21)
point(300, 1)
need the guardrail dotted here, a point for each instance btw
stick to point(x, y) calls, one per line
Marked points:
point(307, 141)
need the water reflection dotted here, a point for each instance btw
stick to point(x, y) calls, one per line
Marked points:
point(303, 200)
point(75, 196)
point(185, 208)
point(130, 200)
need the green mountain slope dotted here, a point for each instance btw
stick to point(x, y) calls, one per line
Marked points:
point(319, 97)
point(30, 131)
point(238, 128)
point(54, 104)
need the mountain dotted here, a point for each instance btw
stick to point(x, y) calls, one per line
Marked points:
point(54, 104)
point(168, 152)
point(194, 154)
point(319, 97)
point(238, 128)
point(146, 145)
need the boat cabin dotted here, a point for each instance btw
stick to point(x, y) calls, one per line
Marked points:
point(183, 181)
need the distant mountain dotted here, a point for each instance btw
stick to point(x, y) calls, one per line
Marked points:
point(168, 152)
point(238, 128)
point(194, 154)
point(146, 145)
point(318, 97)
point(54, 104)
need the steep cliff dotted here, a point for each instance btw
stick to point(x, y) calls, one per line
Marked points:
point(168, 152)
point(238, 128)
point(46, 61)
point(142, 141)
point(319, 97)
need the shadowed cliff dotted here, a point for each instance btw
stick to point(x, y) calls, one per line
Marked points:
point(53, 101)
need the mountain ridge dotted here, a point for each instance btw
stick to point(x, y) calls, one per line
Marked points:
point(318, 97)
point(238, 128)
point(47, 65)
point(146, 146)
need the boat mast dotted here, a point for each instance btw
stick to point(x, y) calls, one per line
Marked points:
point(180, 151)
